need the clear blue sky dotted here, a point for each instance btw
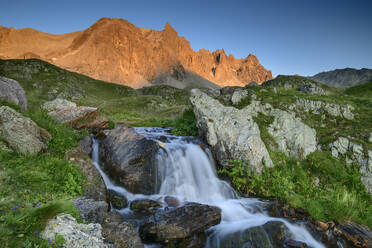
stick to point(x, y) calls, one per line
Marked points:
point(287, 36)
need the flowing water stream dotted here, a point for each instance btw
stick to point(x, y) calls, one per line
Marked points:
point(187, 172)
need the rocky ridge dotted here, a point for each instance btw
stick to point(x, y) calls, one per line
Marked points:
point(115, 50)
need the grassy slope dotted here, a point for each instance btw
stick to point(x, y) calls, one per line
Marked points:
point(340, 195)
point(146, 107)
point(45, 178)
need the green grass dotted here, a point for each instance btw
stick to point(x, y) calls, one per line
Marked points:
point(363, 90)
point(149, 106)
point(47, 178)
point(339, 196)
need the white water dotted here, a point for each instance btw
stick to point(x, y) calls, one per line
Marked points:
point(188, 173)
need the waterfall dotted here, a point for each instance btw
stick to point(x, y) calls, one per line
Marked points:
point(187, 172)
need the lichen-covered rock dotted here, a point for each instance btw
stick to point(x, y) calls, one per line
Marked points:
point(94, 187)
point(293, 137)
point(340, 146)
point(12, 91)
point(76, 235)
point(4, 146)
point(318, 107)
point(91, 210)
point(238, 96)
point(232, 133)
point(180, 225)
point(370, 138)
point(21, 133)
point(129, 159)
point(58, 103)
point(117, 201)
point(366, 171)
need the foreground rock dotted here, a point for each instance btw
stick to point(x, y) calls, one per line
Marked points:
point(184, 225)
point(232, 133)
point(95, 187)
point(145, 206)
point(76, 235)
point(11, 91)
point(21, 133)
point(58, 103)
point(129, 159)
point(271, 234)
point(78, 117)
point(122, 234)
point(91, 210)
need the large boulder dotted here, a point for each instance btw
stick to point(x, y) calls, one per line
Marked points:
point(11, 91)
point(21, 133)
point(293, 137)
point(129, 159)
point(184, 225)
point(271, 234)
point(231, 132)
point(94, 187)
point(78, 117)
point(58, 103)
point(122, 234)
point(76, 235)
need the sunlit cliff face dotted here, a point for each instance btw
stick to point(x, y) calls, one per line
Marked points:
point(115, 50)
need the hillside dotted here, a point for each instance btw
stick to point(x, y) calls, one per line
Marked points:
point(44, 82)
point(347, 77)
point(115, 50)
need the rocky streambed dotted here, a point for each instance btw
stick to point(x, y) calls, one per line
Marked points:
point(163, 191)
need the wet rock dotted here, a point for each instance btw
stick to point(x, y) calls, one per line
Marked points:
point(184, 225)
point(91, 210)
point(81, 117)
point(58, 103)
point(290, 243)
point(11, 91)
point(86, 144)
point(76, 235)
point(122, 235)
point(117, 201)
point(21, 133)
point(145, 205)
point(129, 159)
point(172, 201)
point(355, 234)
point(271, 234)
point(95, 187)
point(231, 132)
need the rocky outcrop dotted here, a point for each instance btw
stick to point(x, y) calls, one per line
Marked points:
point(344, 77)
point(11, 91)
point(311, 88)
point(94, 187)
point(21, 133)
point(184, 225)
point(122, 234)
point(115, 50)
point(232, 133)
point(76, 235)
point(292, 136)
point(319, 107)
point(78, 117)
point(58, 103)
point(128, 158)
point(342, 146)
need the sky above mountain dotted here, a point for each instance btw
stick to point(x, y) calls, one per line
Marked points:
point(288, 36)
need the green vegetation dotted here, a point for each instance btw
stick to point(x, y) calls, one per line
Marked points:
point(363, 90)
point(338, 195)
point(35, 188)
point(185, 125)
point(149, 106)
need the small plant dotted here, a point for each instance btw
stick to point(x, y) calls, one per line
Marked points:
point(185, 125)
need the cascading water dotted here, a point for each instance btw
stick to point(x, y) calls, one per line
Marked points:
point(187, 172)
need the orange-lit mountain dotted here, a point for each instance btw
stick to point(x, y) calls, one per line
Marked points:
point(115, 50)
